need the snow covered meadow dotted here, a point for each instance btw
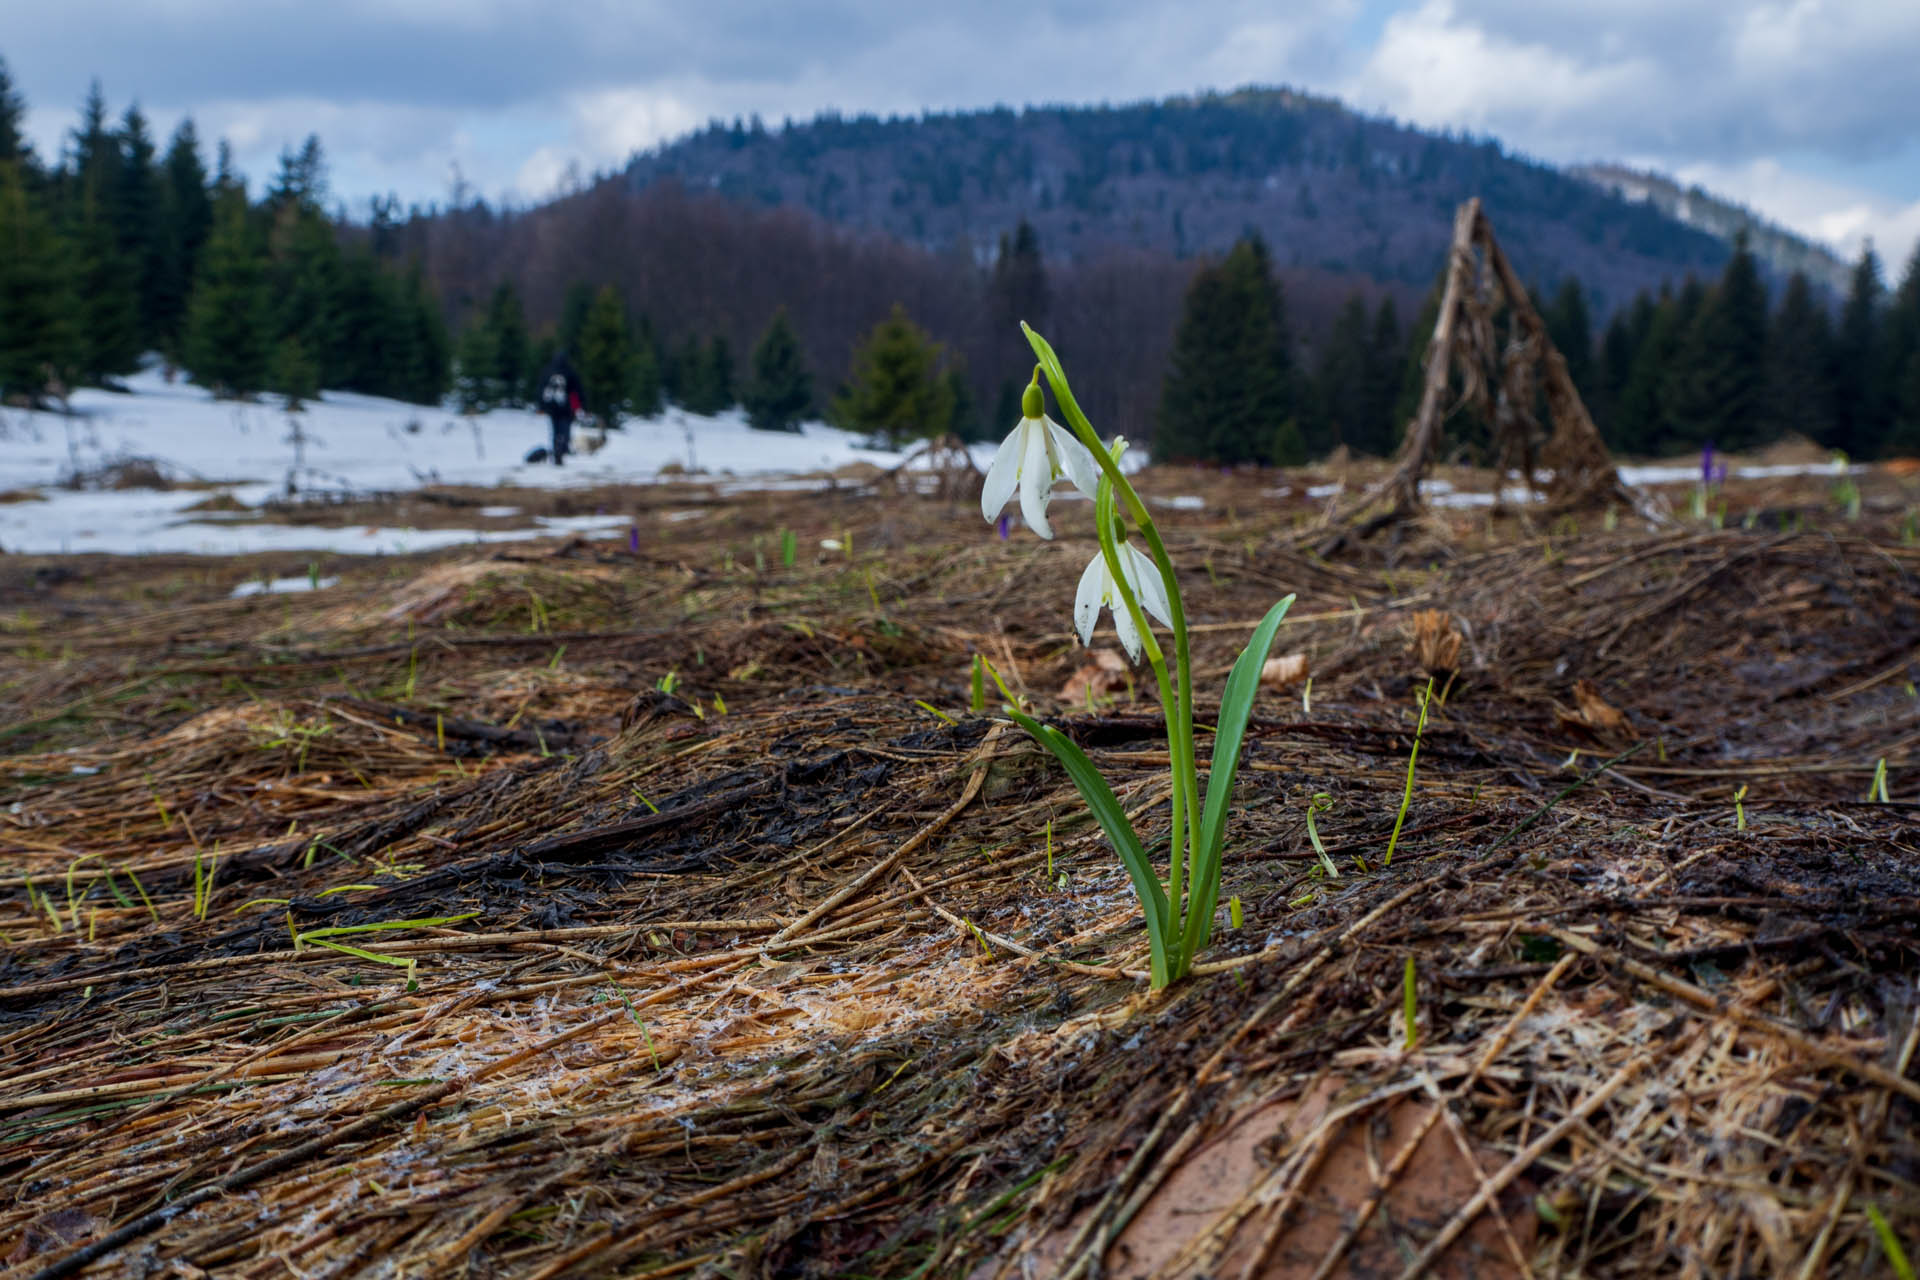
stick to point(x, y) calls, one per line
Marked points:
point(204, 448)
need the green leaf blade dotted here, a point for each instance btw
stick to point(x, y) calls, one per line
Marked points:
point(1236, 708)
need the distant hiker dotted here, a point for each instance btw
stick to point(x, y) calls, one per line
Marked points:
point(561, 399)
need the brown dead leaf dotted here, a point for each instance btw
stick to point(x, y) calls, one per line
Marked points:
point(1595, 712)
point(1435, 642)
point(1287, 669)
point(1102, 675)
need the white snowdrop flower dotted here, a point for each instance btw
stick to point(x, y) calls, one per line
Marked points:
point(1038, 451)
point(1097, 591)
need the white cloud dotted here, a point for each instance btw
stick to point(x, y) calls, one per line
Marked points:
point(1436, 69)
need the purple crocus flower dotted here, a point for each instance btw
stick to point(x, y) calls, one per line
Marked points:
point(1706, 463)
point(1002, 526)
point(633, 539)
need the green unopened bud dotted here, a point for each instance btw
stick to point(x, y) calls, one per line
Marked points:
point(1032, 403)
point(1116, 447)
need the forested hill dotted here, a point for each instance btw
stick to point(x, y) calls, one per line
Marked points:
point(1326, 187)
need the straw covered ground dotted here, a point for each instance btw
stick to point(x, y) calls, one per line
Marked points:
point(659, 908)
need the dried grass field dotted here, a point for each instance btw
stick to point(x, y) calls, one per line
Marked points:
point(655, 906)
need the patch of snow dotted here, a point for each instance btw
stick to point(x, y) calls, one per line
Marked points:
point(351, 443)
point(282, 586)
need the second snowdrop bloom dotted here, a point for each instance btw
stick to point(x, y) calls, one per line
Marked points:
point(1039, 451)
point(1097, 592)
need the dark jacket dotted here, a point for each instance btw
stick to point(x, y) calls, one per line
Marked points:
point(559, 392)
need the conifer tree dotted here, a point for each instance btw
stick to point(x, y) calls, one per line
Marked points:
point(573, 316)
point(95, 156)
point(605, 357)
point(1383, 372)
point(510, 369)
point(1645, 425)
point(1017, 291)
point(1799, 386)
point(424, 375)
point(109, 319)
point(1625, 332)
point(1342, 398)
point(293, 374)
point(1719, 384)
point(36, 317)
point(1570, 325)
point(1228, 387)
point(779, 390)
point(304, 283)
point(472, 370)
point(229, 328)
point(1859, 371)
point(715, 380)
point(1902, 395)
point(963, 412)
point(14, 148)
point(645, 394)
point(680, 376)
point(137, 222)
point(894, 389)
point(186, 214)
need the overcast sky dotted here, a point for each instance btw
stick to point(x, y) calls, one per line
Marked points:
point(1803, 109)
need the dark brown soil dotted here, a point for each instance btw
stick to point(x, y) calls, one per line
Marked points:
point(739, 946)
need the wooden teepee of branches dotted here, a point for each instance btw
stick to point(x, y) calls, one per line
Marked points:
point(1501, 381)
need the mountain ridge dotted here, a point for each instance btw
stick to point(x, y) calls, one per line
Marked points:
point(1325, 185)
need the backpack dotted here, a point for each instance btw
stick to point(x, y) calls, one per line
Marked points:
point(553, 397)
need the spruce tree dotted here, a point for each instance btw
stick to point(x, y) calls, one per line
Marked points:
point(304, 282)
point(1859, 370)
point(573, 316)
point(293, 374)
point(779, 390)
point(605, 357)
point(645, 395)
point(1229, 387)
point(424, 377)
point(1343, 400)
point(14, 148)
point(963, 412)
point(1017, 291)
point(716, 377)
point(1383, 372)
point(36, 305)
point(109, 318)
point(1570, 325)
point(137, 222)
point(472, 370)
point(1902, 364)
point(510, 370)
point(894, 389)
point(229, 339)
point(1799, 387)
point(1719, 385)
point(186, 214)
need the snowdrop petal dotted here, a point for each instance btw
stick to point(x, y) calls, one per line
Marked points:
point(1074, 458)
point(1124, 628)
point(1036, 482)
point(1144, 577)
point(1003, 475)
point(1091, 595)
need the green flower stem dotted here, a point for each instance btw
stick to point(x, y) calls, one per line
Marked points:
point(1180, 722)
point(1110, 536)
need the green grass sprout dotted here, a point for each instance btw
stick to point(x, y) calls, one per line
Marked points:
point(1413, 758)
